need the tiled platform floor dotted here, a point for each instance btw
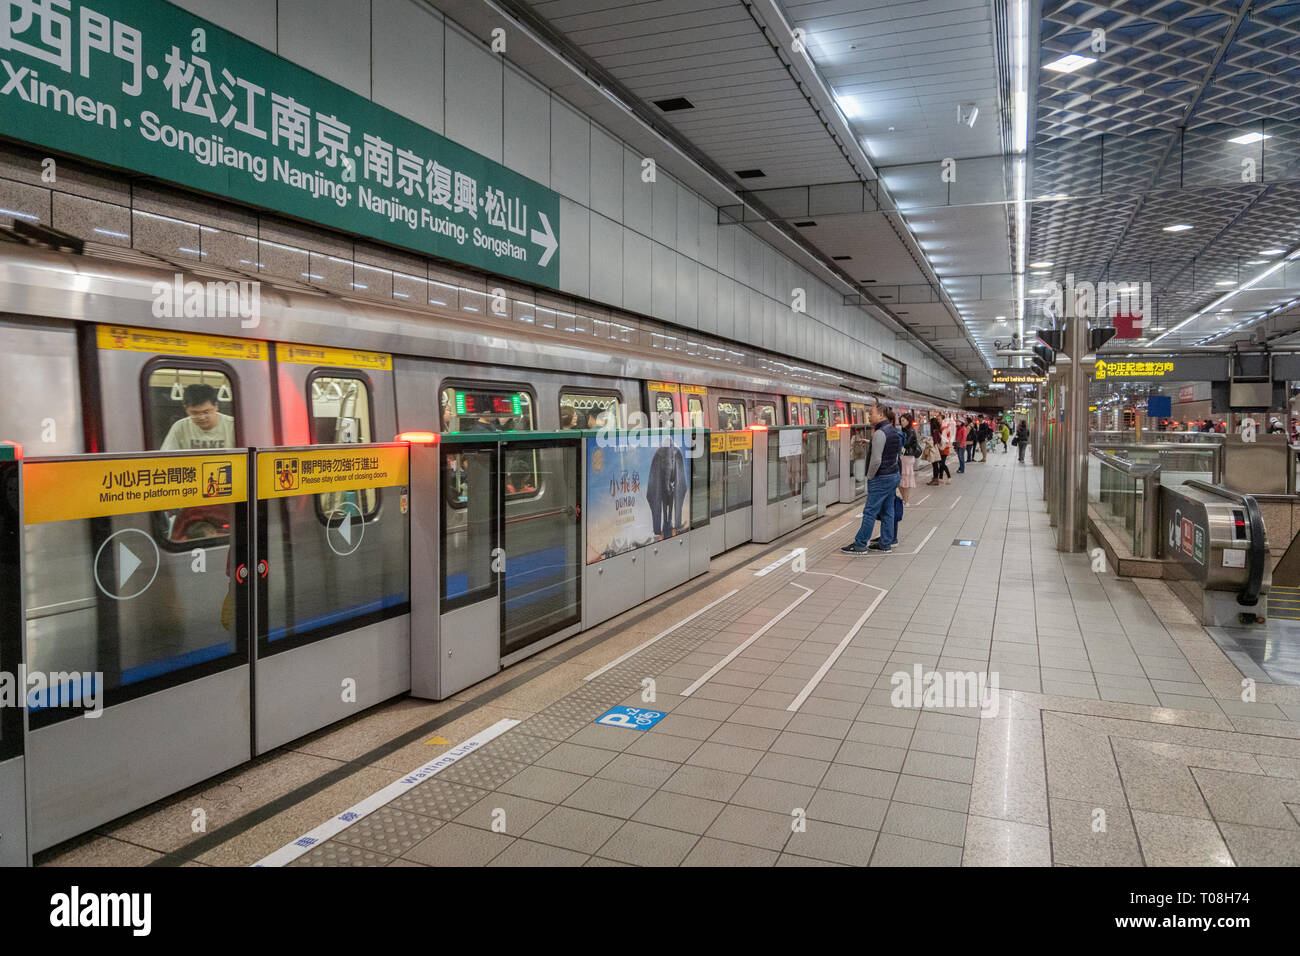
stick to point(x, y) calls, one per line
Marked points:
point(1120, 736)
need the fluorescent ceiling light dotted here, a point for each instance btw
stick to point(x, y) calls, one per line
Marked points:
point(1271, 252)
point(1040, 265)
point(1070, 63)
point(1226, 282)
point(1247, 138)
point(1180, 227)
point(1037, 291)
point(851, 106)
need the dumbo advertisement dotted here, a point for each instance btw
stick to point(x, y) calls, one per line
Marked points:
point(636, 495)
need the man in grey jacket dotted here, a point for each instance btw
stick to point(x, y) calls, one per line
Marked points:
point(883, 475)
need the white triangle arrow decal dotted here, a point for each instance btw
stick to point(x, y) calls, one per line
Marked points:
point(345, 527)
point(127, 563)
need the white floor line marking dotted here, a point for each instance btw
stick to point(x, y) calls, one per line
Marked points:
point(664, 633)
point(924, 542)
point(749, 640)
point(777, 563)
point(921, 502)
point(836, 531)
point(839, 649)
point(291, 851)
point(954, 503)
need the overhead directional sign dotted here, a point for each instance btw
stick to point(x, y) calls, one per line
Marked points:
point(1017, 376)
point(143, 85)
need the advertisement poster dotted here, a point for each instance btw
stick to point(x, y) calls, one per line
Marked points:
point(636, 495)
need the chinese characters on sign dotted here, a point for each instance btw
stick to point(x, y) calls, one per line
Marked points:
point(1131, 369)
point(124, 82)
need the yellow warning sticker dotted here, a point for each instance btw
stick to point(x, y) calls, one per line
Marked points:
point(693, 390)
point(343, 358)
point(731, 441)
point(122, 338)
point(661, 386)
point(284, 474)
point(99, 486)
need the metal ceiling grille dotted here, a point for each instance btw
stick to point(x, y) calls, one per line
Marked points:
point(1143, 139)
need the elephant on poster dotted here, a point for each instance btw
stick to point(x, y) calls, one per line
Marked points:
point(666, 490)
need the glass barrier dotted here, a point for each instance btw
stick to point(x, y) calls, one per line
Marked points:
point(701, 466)
point(469, 524)
point(114, 609)
point(731, 471)
point(813, 471)
point(1118, 496)
point(11, 624)
point(336, 541)
point(833, 437)
point(859, 439)
point(782, 478)
point(1178, 462)
point(542, 541)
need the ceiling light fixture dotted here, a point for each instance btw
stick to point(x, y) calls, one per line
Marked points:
point(1040, 265)
point(1271, 252)
point(1180, 227)
point(1069, 63)
point(1247, 138)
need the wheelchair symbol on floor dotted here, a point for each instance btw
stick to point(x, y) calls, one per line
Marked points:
point(632, 718)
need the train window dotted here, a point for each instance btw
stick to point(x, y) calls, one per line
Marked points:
point(823, 415)
point(731, 415)
point(837, 415)
point(765, 414)
point(664, 416)
point(190, 407)
point(340, 415)
point(589, 410)
point(478, 408)
point(695, 411)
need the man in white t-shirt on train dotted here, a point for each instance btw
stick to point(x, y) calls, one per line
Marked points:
point(204, 425)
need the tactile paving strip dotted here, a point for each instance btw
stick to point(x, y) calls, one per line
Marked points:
point(439, 798)
point(332, 853)
point(550, 726)
point(388, 831)
point(520, 748)
point(481, 770)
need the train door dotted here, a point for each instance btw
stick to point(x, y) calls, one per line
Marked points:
point(511, 559)
point(334, 598)
point(765, 413)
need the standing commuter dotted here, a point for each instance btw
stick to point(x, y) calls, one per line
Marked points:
point(962, 433)
point(1022, 438)
point(986, 432)
point(1006, 437)
point(911, 451)
point(883, 475)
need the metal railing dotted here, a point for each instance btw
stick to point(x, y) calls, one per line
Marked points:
point(1178, 460)
point(1125, 495)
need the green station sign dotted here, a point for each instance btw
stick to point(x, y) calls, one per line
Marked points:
point(144, 86)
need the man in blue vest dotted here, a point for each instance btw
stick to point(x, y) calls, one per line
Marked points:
point(883, 474)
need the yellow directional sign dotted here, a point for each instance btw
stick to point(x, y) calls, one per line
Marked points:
point(122, 338)
point(284, 474)
point(343, 358)
point(98, 486)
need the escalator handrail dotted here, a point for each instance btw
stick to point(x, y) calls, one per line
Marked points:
point(1249, 596)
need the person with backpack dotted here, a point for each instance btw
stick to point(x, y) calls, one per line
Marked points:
point(985, 433)
point(1022, 438)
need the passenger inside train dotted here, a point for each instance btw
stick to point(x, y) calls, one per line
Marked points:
point(204, 425)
